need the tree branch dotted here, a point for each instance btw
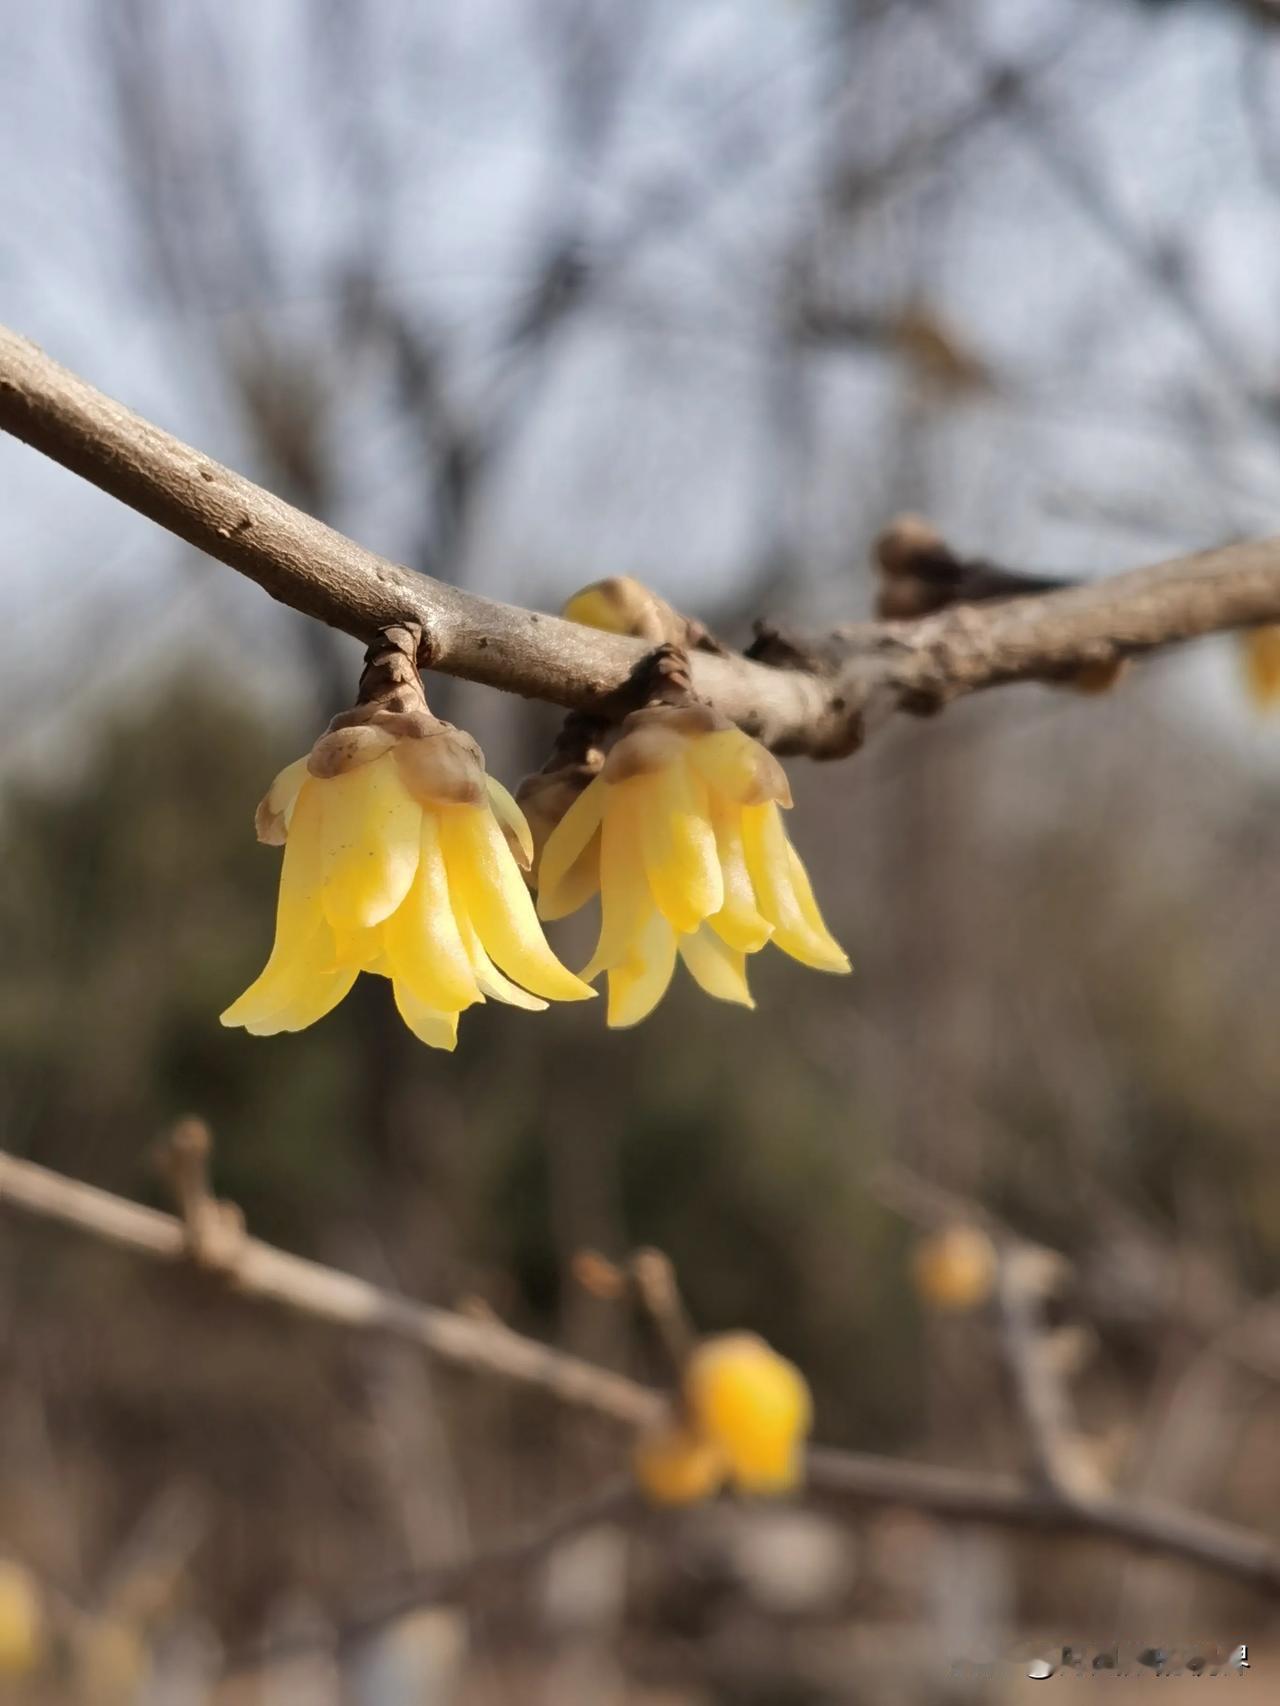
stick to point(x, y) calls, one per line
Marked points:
point(973, 1495)
point(834, 1477)
point(259, 1270)
point(813, 695)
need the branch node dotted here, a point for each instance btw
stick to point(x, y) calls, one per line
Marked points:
point(658, 1292)
point(663, 677)
point(215, 1231)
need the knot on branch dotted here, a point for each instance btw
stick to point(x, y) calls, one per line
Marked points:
point(920, 574)
point(664, 678)
point(215, 1230)
point(780, 647)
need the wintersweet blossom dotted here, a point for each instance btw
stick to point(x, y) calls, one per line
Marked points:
point(743, 1416)
point(1260, 657)
point(955, 1268)
point(401, 858)
point(680, 834)
point(674, 1465)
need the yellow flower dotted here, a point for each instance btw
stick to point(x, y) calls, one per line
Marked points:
point(955, 1269)
point(753, 1405)
point(743, 1417)
point(681, 835)
point(1260, 656)
point(398, 860)
point(676, 1466)
point(21, 1621)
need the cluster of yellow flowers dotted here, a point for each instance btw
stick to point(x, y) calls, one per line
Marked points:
point(404, 859)
point(742, 1417)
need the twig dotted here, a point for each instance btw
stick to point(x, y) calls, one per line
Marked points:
point(261, 1271)
point(969, 1495)
point(215, 1230)
point(658, 1293)
point(830, 692)
point(951, 1494)
point(1059, 1456)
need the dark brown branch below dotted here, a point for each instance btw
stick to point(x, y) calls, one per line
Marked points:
point(817, 696)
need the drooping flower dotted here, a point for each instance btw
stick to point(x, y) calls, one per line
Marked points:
point(400, 859)
point(742, 1418)
point(681, 835)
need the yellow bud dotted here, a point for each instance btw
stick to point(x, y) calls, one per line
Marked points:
point(674, 1466)
point(1260, 655)
point(21, 1623)
point(954, 1269)
point(753, 1405)
point(622, 605)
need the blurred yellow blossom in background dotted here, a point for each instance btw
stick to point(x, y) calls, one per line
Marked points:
point(954, 1269)
point(21, 1621)
point(1260, 659)
point(743, 1417)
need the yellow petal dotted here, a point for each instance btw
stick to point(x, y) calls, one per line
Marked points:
point(303, 945)
point(798, 926)
point(640, 981)
point(358, 950)
point(565, 845)
point(717, 968)
point(626, 901)
point(314, 996)
point(739, 768)
point(370, 843)
point(809, 909)
point(424, 945)
point(488, 978)
point(436, 1029)
point(679, 843)
point(580, 883)
point(272, 818)
point(513, 823)
point(739, 921)
point(489, 886)
point(285, 974)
